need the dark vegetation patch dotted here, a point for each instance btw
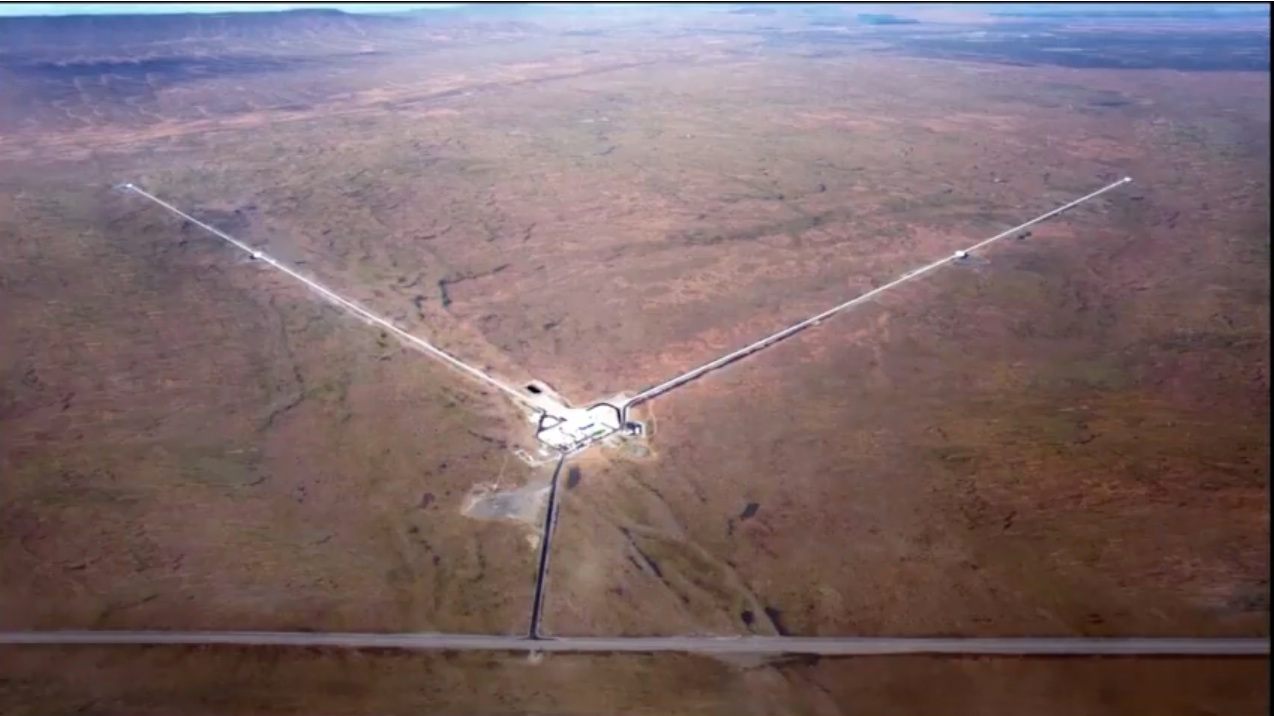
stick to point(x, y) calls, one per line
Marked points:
point(1032, 43)
point(444, 283)
point(793, 227)
point(1109, 100)
point(1178, 49)
point(776, 617)
point(57, 36)
point(816, 37)
point(868, 18)
point(167, 69)
point(1192, 11)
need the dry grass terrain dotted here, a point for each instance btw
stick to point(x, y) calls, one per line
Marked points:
point(195, 682)
point(192, 442)
point(995, 450)
point(1066, 434)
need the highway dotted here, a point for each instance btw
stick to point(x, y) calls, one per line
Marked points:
point(747, 645)
point(546, 543)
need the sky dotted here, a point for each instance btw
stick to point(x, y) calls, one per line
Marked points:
point(14, 9)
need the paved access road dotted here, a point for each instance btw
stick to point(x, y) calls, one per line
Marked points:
point(748, 645)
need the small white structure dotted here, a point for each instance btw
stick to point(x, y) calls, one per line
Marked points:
point(565, 429)
point(961, 254)
point(570, 430)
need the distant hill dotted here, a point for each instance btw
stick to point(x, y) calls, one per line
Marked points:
point(290, 32)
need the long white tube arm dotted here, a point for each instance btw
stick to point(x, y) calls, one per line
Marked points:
point(343, 302)
point(773, 338)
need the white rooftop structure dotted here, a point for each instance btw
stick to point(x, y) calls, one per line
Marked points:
point(569, 430)
point(565, 429)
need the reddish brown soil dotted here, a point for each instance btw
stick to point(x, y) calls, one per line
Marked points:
point(192, 442)
point(153, 681)
point(1066, 435)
